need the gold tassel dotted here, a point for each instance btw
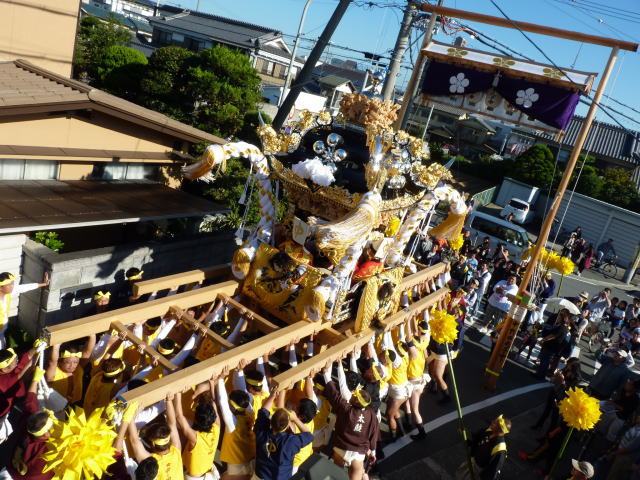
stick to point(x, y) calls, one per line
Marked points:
point(368, 304)
point(334, 238)
point(450, 228)
point(240, 263)
point(316, 307)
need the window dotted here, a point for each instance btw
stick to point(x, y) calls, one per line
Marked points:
point(162, 37)
point(28, 169)
point(177, 37)
point(500, 232)
point(518, 204)
point(124, 171)
point(265, 67)
point(279, 71)
point(193, 44)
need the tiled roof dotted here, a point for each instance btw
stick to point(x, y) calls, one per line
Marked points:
point(333, 80)
point(145, 48)
point(103, 13)
point(224, 30)
point(355, 76)
point(28, 205)
point(604, 140)
point(24, 87)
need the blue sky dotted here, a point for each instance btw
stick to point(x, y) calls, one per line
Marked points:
point(374, 29)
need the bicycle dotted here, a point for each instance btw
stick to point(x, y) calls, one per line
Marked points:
point(607, 266)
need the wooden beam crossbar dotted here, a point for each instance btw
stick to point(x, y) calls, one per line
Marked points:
point(262, 323)
point(159, 389)
point(188, 319)
point(415, 308)
point(529, 27)
point(170, 281)
point(138, 313)
point(317, 362)
point(424, 275)
point(153, 353)
point(287, 379)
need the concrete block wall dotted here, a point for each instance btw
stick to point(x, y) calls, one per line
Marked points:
point(82, 273)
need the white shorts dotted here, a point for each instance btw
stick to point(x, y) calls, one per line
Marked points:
point(400, 392)
point(348, 456)
point(212, 475)
point(434, 356)
point(383, 391)
point(246, 468)
point(417, 383)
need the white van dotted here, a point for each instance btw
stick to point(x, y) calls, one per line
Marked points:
point(513, 236)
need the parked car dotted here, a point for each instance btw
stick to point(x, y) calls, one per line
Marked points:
point(522, 212)
point(513, 236)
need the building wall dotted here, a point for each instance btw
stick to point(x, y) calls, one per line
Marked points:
point(80, 274)
point(41, 32)
point(511, 188)
point(100, 131)
point(599, 221)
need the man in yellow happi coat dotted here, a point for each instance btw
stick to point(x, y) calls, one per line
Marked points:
point(201, 438)
point(164, 440)
point(104, 385)
point(66, 368)
point(8, 288)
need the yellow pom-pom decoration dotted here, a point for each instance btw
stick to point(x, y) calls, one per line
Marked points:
point(392, 228)
point(457, 242)
point(579, 410)
point(80, 448)
point(552, 260)
point(444, 328)
point(565, 266)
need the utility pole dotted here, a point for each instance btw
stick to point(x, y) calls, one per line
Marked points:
point(305, 74)
point(293, 53)
point(410, 91)
point(398, 50)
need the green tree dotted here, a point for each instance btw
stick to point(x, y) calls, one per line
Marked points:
point(590, 182)
point(249, 125)
point(223, 86)
point(162, 87)
point(535, 166)
point(121, 70)
point(93, 40)
point(618, 188)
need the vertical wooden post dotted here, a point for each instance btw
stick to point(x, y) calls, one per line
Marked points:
point(516, 313)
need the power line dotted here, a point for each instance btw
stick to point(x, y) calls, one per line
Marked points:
point(602, 107)
point(608, 7)
point(585, 11)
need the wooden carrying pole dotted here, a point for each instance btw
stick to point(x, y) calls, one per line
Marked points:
point(138, 313)
point(331, 354)
point(203, 371)
point(183, 278)
point(514, 317)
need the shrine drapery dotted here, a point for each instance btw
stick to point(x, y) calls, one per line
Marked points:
point(551, 105)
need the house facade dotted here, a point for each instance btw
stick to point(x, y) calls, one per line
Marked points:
point(266, 47)
point(43, 36)
point(611, 145)
point(99, 171)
